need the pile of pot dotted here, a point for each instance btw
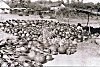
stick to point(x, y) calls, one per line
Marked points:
point(24, 54)
point(62, 38)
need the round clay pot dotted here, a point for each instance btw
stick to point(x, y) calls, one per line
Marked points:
point(31, 55)
point(62, 49)
point(49, 57)
point(40, 58)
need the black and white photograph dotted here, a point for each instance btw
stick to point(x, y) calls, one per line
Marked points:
point(49, 33)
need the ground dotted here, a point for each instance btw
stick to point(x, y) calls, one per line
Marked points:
point(87, 53)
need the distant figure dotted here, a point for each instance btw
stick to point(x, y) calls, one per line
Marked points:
point(79, 26)
point(40, 14)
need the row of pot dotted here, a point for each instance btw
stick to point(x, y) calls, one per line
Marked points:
point(38, 40)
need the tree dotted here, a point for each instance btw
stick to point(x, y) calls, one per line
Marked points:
point(97, 5)
point(89, 5)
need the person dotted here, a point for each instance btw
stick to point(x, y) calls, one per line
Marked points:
point(79, 27)
point(40, 15)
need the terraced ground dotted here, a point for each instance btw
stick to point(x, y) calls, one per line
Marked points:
point(87, 53)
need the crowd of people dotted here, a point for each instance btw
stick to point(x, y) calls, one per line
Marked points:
point(37, 40)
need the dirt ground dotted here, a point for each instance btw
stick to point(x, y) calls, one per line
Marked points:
point(87, 53)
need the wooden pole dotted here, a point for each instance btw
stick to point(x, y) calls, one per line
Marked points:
point(68, 11)
point(88, 23)
point(88, 19)
point(97, 14)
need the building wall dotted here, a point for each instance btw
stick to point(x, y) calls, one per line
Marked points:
point(4, 10)
point(1, 11)
point(22, 0)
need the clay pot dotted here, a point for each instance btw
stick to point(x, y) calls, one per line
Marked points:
point(66, 36)
point(40, 58)
point(27, 34)
point(62, 49)
point(23, 35)
point(2, 28)
point(71, 45)
point(15, 34)
point(53, 48)
point(26, 64)
point(72, 50)
point(47, 51)
point(54, 53)
point(21, 42)
point(74, 42)
point(23, 49)
point(38, 65)
point(4, 64)
point(97, 41)
point(29, 46)
point(18, 49)
point(79, 36)
point(85, 38)
point(49, 57)
point(68, 52)
point(15, 24)
point(31, 55)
